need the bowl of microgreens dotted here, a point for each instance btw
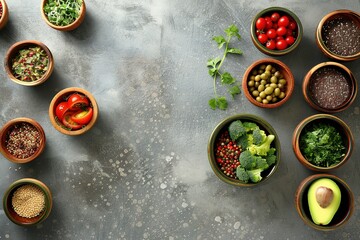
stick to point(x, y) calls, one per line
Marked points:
point(322, 142)
point(244, 150)
point(63, 15)
point(4, 14)
point(29, 63)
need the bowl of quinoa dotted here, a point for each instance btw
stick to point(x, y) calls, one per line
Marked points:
point(27, 202)
point(338, 35)
point(22, 140)
point(29, 63)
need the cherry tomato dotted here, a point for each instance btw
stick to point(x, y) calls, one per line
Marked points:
point(275, 17)
point(258, 32)
point(289, 32)
point(281, 44)
point(260, 24)
point(82, 117)
point(70, 123)
point(271, 33)
point(281, 31)
point(283, 21)
point(271, 44)
point(290, 40)
point(269, 24)
point(61, 109)
point(292, 25)
point(278, 38)
point(262, 38)
point(76, 101)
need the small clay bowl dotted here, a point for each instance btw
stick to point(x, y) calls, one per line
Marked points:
point(69, 27)
point(332, 120)
point(13, 51)
point(345, 45)
point(4, 136)
point(5, 14)
point(282, 12)
point(62, 96)
point(342, 215)
point(329, 87)
point(9, 210)
point(222, 126)
point(282, 68)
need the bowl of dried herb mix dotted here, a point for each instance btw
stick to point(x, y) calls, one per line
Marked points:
point(63, 15)
point(27, 202)
point(322, 142)
point(29, 63)
point(22, 140)
point(4, 14)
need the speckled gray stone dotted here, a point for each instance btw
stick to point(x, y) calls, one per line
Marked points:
point(142, 172)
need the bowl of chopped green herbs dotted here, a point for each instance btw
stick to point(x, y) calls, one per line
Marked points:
point(244, 150)
point(63, 15)
point(29, 63)
point(322, 142)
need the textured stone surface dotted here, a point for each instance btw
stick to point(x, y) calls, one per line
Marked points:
point(143, 172)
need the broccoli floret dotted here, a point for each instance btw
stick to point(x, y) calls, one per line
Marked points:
point(247, 160)
point(245, 141)
point(263, 149)
point(241, 174)
point(236, 130)
point(261, 163)
point(271, 157)
point(259, 136)
point(250, 126)
point(255, 175)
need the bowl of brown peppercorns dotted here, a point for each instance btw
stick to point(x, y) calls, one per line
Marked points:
point(22, 140)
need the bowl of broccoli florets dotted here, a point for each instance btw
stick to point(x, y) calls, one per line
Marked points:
point(244, 150)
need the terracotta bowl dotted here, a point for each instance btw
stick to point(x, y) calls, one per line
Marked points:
point(342, 215)
point(9, 210)
point(4, 137)
point(318, 86)
point(14, 49)
point(63, 96)
point(5, 14)
point(282, 11)
point(279, 66)
point(330, 22)
point(221, 127)
point(69, 27)
point(339, 124)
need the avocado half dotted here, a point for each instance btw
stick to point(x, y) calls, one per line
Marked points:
point(324, 197)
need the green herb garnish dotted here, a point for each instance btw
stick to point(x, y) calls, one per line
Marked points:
point(30, 64)
point(215, 64)
point(322, 145)
point(62, 12)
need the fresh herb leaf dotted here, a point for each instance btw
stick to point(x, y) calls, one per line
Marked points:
point(220, 41)
point(226, 78)
point(221, 103)
point(212, 103)
point(234, 90)
point(232, 30)
point(234, 51)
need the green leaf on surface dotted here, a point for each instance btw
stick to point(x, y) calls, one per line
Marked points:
point(226, 78)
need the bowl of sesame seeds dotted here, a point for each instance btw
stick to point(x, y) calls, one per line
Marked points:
point(338, 35)
point(22, 140)
point(27, 202)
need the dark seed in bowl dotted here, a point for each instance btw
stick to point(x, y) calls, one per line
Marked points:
point(342, 36)
point(329, 87)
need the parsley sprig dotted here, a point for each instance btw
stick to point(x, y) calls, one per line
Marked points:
point(215, 64)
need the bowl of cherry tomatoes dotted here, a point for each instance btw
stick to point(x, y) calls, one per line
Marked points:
point(276, 31)
point(73, 111)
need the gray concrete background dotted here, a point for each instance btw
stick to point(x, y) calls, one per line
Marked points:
point(143, 172)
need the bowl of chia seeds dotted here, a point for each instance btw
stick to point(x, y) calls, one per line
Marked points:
point(27, 202)
point(22, 140)
point(338, 35)
point(4, 14)
point(329, 87)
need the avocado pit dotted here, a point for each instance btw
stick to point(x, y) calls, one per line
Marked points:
point(324, 196)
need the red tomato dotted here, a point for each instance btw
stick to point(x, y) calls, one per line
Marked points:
point(281, 31)
point(258, 32)
point(289, 32)
point(82, 117)
point(262, 38)
point(70, 123)
point(269, 24)
point(290, 40)
point(260, 24)
point(278, 38)
point(275, 17)
point(281, 44)
point(271, 44)
point(283, 21)
point(271, 33)
point(61, 109)
point(76, 101)
point(292, 25)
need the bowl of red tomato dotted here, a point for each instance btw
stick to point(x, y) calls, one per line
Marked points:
point(276, 31)
point(73, 111)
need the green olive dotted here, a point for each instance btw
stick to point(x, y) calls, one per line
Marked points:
point(251, 83)
point(274, 99)
point(267, 85)
point(269, 90)
point(268, 74)
point(269, 98)
point(257, 84)
point(273, 70)
point(263, 82)
point(282, 81)
point(254, 72)
point(252, 77)
point(257, 78)
point(279, 85)
point(262, 95)
point(282, 95)
point(261, 88)
point(259, 99)
point(268, 68)
point(252, 89)
point(277, 92)
point(260, 71)
point(262, 66)
point(264, 76)
point(273, 85)
point(255, 93)
point(264, 101)
point(277, 74)
point(273, 79)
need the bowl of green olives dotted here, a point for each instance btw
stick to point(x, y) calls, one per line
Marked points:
point(268, 83)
